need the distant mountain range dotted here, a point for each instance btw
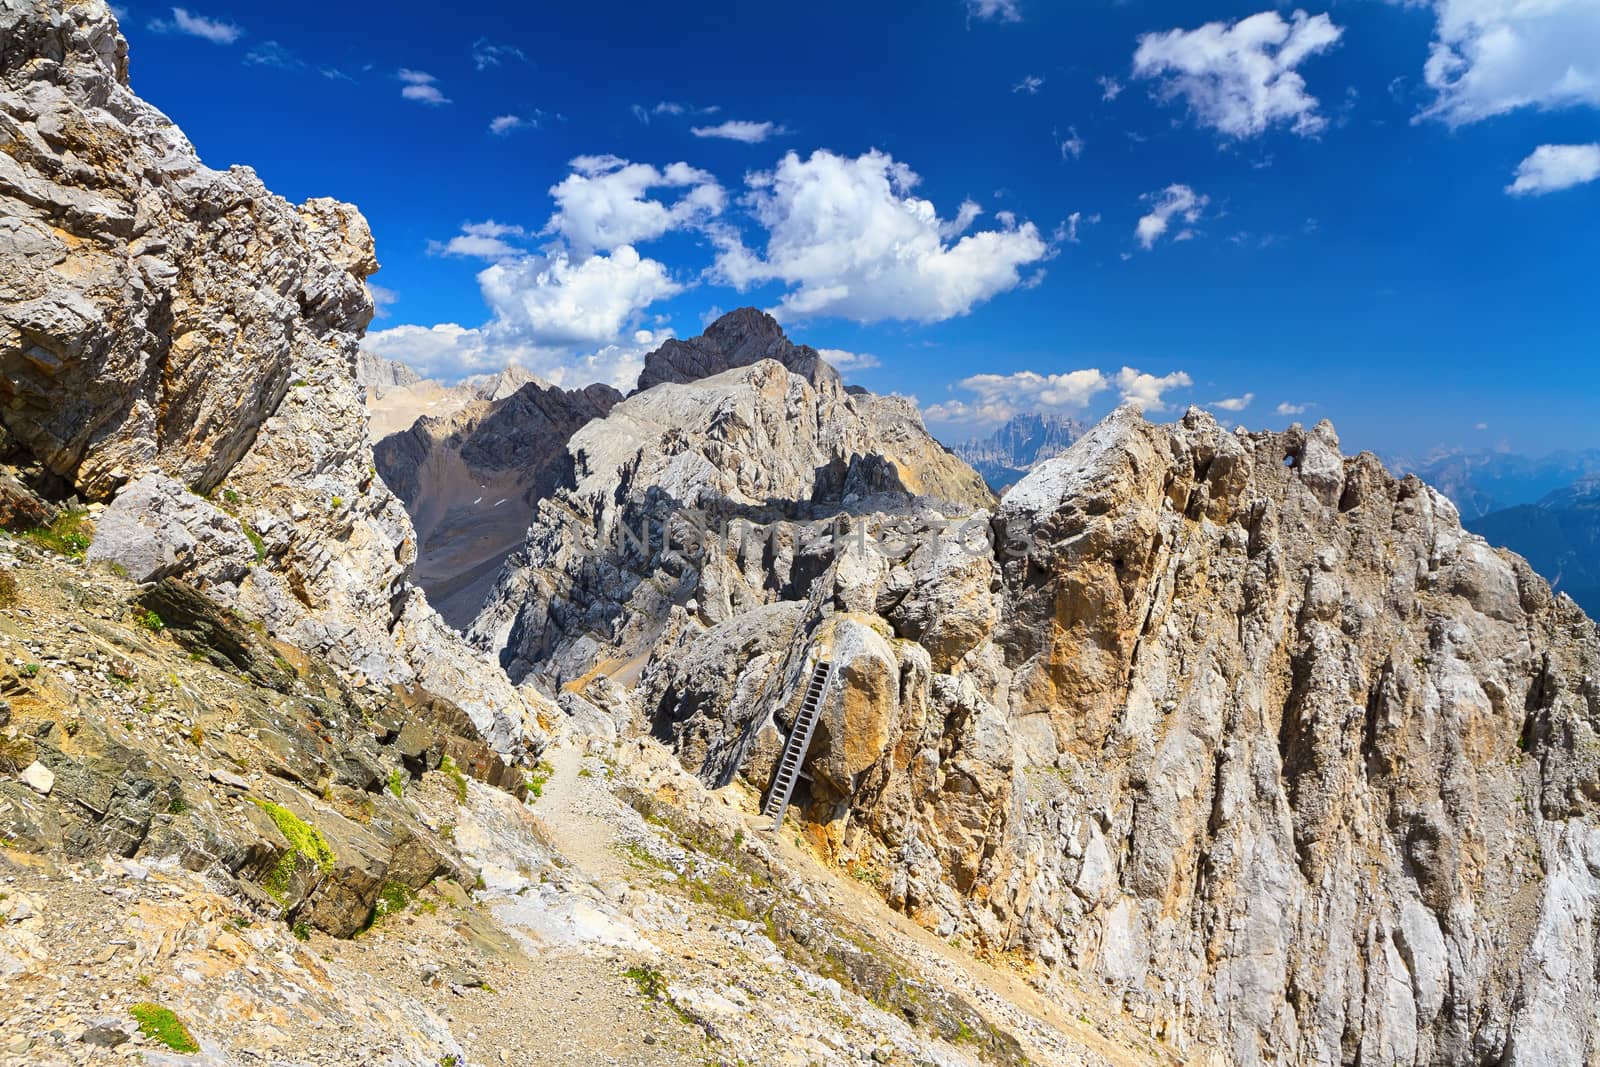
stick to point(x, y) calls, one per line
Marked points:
point(1481, 482)
point(1025, 441)
point(1559, 536)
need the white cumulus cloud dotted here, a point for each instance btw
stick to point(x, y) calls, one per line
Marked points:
point(849, 239)
point(187, 22)
point(1553, 167)
point(421, 86)
point(1240, 78)
point(1147, 390)
point(603, 204)
point(502, 125)
point(1287, 408)
point(557, 300)
point(1031, 84)
point(1234, 403)
point(997, 397)
point(570, 322)
point(740, 130)
point(843, 360)
point(570, 318)
point(1489, 57)
point(995, 10)
point(1175, 201)
point(481, 240)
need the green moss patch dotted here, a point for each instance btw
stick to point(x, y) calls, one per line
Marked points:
point(306, 840)
point(254, 538)
point(159, 1024)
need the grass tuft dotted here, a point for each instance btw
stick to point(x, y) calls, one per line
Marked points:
point(535, 782)
point(448, 768)
point(68, 534)
point(254, 538)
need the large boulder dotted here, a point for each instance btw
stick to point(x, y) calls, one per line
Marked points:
point(156, 528)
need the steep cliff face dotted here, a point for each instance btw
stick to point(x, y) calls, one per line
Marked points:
point(1249, 731)
point(183, 329)
point(128, 266)
point(470, 482)
point(706, 462)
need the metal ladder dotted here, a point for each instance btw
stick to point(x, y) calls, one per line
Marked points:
point(794, 753)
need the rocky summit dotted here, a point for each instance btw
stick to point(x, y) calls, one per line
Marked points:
point(756, 730)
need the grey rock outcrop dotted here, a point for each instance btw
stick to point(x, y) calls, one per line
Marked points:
point(381, 375)
point(156, 315)
point(755, 464)
point(156, 528)
point(151, 309)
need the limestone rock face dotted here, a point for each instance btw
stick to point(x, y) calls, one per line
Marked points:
point(470, 482)
point(1247, 731)
point(381, 376)
point(159, 316)
point(151, 309)
point(1338, 739)
point(713, 496)
point(737, 339)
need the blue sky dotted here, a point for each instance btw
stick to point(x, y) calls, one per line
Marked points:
point(1382, 213)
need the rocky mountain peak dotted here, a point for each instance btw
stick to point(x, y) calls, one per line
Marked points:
point(380, 375)
point(757, 442)
point(1020, 444)
point(738, 339)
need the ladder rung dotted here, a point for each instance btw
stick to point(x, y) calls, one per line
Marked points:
point(796, 747)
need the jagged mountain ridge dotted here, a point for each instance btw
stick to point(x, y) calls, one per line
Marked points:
point(758, 443)
point(470, 482)
point(1482, 481)
point(1022, 443)
point(397, 396)
point(1247, 730)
